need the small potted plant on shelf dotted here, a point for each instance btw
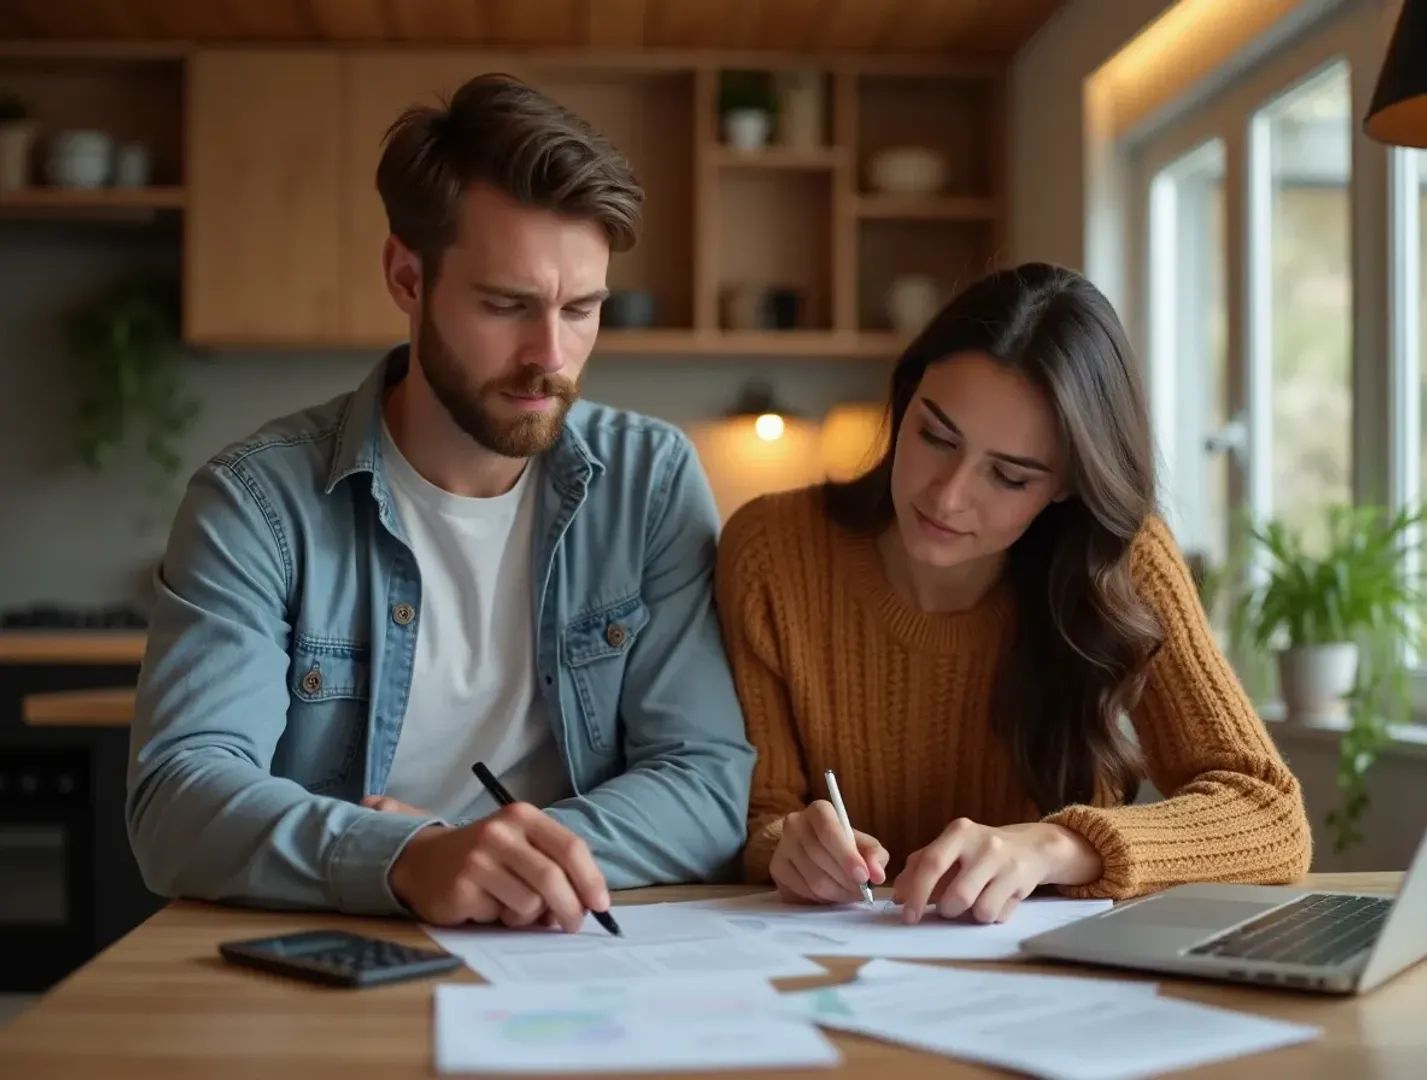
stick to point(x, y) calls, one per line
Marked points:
point(746, 105)
point(1339, 621)
point(17, 139)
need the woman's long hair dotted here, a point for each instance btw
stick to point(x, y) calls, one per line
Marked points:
point(1083, 638)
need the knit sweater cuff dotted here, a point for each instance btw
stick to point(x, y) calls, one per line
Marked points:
point(1118, 877)
point(763, 836)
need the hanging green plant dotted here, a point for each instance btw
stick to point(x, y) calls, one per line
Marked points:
point(125, 362)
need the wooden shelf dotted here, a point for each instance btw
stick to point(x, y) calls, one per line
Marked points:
point(924, 208)
point(71, 647)
point(91, 202)
point(777, 157)
point(108, 707)
point(812, 344)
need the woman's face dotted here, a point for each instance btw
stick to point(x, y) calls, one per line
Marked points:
point(978, 457)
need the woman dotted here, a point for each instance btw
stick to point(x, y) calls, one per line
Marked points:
point(959, 632)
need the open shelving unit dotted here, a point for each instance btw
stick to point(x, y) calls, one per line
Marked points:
point(800, 219)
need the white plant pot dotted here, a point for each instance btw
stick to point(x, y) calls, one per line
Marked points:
point(1315, 680)
point(747, 129)
point(17, 138)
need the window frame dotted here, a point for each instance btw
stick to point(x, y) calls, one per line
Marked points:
point(1384, 370)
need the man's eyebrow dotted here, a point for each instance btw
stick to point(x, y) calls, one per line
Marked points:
point(514, 292)
point(1009, 459)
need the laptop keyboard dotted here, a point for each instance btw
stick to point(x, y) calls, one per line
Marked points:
point(1318, 929)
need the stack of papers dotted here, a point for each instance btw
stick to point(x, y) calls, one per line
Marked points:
point(658, 940)
point(684, 988)
point(713, 1022)
point(1083, 1029)
point(878, 930)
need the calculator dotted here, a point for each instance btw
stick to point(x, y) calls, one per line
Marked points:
point(337, 958)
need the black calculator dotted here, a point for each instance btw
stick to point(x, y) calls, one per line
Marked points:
point(337, 958)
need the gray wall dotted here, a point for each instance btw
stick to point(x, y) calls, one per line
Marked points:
point(69, 536)
point(1048, 192)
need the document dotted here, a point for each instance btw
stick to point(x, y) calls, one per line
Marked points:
point(712, 1022)
point(658, 939)
point(877, 930)
point(1061, 1028)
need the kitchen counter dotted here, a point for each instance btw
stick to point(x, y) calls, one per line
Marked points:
point(71, 647)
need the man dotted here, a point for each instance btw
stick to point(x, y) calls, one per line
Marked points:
point(458, 562)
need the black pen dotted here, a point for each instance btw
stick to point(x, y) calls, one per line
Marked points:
point(498, 792)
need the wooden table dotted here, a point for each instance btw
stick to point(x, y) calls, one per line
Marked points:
point(161, 1003)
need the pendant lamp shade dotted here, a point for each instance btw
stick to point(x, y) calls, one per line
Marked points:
point(1398, 114)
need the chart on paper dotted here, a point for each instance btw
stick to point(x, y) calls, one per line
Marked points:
point(700, 1023)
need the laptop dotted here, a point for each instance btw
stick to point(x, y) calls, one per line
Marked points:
point(1332, 942)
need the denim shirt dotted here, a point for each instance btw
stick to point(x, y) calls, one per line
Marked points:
point(282, 643)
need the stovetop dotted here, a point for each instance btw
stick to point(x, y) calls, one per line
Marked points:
point(63, 617)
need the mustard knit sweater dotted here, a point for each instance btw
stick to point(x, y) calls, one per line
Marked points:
point(835, 670)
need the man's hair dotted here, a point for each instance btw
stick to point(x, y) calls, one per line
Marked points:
point(499, 131)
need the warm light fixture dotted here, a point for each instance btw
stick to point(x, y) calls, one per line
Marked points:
point(769, 427)
point(1398, 113)
point(756, 400)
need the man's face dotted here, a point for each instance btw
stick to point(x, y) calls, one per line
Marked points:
point(505, 329)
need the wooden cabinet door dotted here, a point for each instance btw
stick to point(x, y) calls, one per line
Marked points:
point(262, 246)
point(647, 115)
point(380, 85)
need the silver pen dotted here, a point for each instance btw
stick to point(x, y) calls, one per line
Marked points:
point(837, 804)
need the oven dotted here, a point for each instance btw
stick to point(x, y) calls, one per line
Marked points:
point(69, 885)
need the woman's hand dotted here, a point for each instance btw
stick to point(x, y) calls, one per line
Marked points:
point(988, 871)
point(817, 862)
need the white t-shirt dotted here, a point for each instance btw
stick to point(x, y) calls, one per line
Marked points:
point(473, 688)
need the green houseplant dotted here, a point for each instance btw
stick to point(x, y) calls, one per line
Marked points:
point(1338, 619)
point(746, 103)
point(125, 365)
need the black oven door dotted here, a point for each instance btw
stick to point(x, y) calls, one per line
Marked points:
point(47, 890)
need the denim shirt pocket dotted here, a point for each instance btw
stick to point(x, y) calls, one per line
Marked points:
point(595, 647)
point(328, 691)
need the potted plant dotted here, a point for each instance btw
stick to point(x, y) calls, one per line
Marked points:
point(1339, 621)
point(17, 139)
point(1316, 609)
point(746, 105)
point(124, 362)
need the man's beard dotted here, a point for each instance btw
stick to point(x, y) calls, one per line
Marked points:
point(521, 436)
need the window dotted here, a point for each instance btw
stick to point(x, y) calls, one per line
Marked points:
point(1300, 182)
point(1409, 263)
point(1190, 381)
point(1281, 284)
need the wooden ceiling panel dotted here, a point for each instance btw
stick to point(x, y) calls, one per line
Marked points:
point(347, 20)
point(787, 25)
point(852, 26)
point(556, 23)
point(986, 27)
point(686, 26)
point(61, 18)
point(447, 22)
point(265, 22)
point(616, 24)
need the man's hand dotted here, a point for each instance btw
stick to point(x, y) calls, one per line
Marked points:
point(393, 806)
point(515, 866)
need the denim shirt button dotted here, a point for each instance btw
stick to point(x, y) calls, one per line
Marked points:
point(312, 682)
point(403, 613)
point(615, 635)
